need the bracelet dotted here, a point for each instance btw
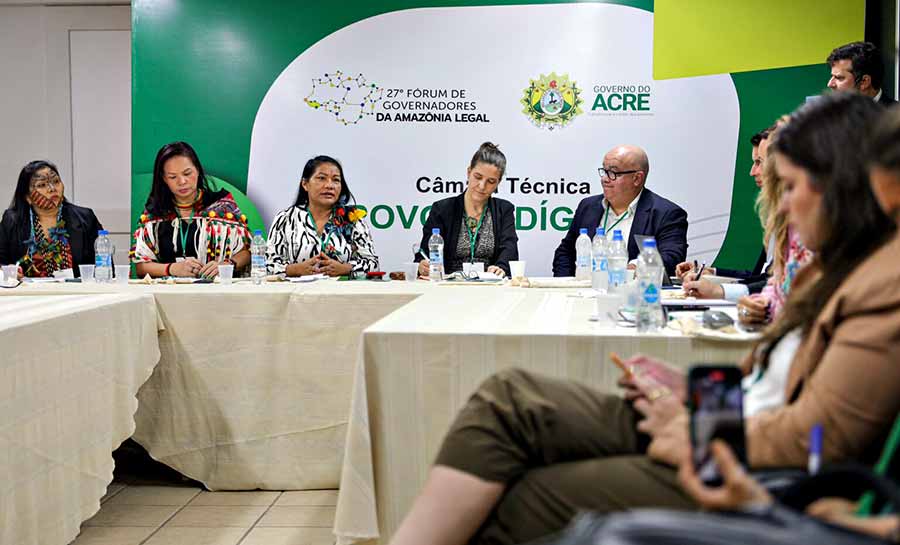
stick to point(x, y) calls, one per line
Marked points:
point(166, 273)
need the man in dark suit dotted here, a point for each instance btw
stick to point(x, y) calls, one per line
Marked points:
point(857, 67)
point(751, 281)
point(628, 206)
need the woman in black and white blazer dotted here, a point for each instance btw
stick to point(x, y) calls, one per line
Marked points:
point(324, 231)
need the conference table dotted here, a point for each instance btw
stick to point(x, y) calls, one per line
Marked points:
point(417, 366)
point(351, 384)
point(253, 384)
point(70, 371)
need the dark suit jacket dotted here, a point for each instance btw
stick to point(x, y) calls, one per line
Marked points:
point(755, 280)
point(654, 216)
point(885, 100)
point(81, 223)
point(446, 214)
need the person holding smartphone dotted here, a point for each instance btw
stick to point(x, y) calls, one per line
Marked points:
point(527, 452)
point(741, 492)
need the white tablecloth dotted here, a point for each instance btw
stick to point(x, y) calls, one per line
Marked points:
point(418, 366)
point(254, 382)
point(70, 369)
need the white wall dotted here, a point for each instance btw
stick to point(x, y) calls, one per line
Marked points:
point(23, 94)
point(66, 97)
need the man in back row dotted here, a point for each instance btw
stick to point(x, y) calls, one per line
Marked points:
point(857, 67)
point(628, 206)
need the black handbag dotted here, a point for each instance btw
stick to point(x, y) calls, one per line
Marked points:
point(776, 526)
point(782, 523)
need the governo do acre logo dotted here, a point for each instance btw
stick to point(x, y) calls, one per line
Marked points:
point(552, 101)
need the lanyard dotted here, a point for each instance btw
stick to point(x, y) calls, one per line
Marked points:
point(327, 236)
point(183, 233)
point(618, 221)
point(473, 237)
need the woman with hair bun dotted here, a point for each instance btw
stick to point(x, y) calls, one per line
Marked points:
point(476, 226)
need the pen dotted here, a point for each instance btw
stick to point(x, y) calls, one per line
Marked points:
point(693, 291)
point(422, 253)
point(815, 449)
point(699, 274)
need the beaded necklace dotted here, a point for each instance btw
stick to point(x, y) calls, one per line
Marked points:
point(47, 254)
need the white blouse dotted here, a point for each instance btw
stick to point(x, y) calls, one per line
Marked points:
point(764, 389)
point(293, 238)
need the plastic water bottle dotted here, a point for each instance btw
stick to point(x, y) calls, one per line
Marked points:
point(103, 252)
point(258, 258)
point(436, 256)
point(599, 263)
point(649, 301)
point(617, 259)
point(583, 256)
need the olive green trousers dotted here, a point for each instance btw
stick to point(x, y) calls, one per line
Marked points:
point(560, 447)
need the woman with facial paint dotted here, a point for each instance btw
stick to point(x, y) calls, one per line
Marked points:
point(43, 232)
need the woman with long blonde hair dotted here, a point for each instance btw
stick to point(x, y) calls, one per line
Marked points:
point(790, 255)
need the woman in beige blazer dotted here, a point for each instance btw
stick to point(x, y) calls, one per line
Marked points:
point(527, 451)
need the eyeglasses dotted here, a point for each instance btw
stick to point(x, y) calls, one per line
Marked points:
point(611, 175)
point(43, 183)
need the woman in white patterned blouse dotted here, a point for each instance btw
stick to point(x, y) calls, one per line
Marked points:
point(322, 232)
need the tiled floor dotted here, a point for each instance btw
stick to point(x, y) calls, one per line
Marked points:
point(137, 514)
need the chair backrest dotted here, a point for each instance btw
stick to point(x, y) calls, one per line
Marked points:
point(889, 466)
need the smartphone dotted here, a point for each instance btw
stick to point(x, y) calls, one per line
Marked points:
point(716, 401)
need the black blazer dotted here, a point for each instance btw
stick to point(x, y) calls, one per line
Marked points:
point(885, 100)
point(81, 223)
point(654, 216)
point(446, 215)
point(755, 280)
point(744, 275)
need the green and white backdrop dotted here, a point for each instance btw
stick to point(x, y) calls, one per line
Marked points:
point(403, 92)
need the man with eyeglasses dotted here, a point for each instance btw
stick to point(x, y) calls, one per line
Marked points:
point(627, 205)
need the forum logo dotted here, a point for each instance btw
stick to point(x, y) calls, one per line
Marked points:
point(347, 98)
point(552, 101)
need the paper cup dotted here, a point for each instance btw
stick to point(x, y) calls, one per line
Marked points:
point(87, 273)
point(608, 305)
point(122, 274)
point(10, 274)
point(517, 269)
point(410, 271)
point(226, 273)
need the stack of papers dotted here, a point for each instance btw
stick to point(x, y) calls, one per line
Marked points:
point(556, 282)
point(666, 302)
point(307, 278)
